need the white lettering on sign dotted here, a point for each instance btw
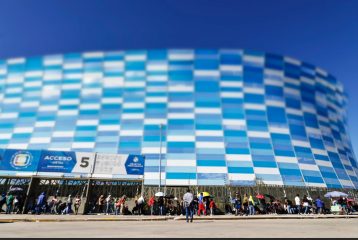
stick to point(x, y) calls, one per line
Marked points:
point(58, 158)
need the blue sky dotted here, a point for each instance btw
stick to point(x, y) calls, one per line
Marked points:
point(321, 32)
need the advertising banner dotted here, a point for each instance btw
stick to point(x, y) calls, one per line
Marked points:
point(66, 162)
point(114, 165)
point(24, 162)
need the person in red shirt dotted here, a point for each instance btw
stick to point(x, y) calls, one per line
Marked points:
point(151, 204)
point(212, 207)
point(201, 204)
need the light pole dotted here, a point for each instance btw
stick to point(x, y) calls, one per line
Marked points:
point(160, 155)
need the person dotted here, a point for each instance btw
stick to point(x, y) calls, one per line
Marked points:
point(2, 200)
point(251, 205)
point(319, 205)
point(298, 204)
point(237, 204)
point(188, 205)
point(54, 206)
point(77, 204)
point(41, 200)
point(108, 204)
point(344, 205)
point(68, 208)
point(201, 204)
point(305, 204)
point(245, 204)
point(100, 204)
point(118, 206)
point(212, 207)
point(151, 204)
point(9, 202)
point(122, 205)
point(288, 205)
point(141, 202)
point(160, 205)
point(16, 205)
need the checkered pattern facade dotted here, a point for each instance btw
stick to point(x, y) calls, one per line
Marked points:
point(229, 116)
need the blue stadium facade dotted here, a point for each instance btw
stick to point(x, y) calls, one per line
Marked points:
point(230, 117)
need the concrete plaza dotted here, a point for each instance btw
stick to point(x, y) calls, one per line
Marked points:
point(144, 227)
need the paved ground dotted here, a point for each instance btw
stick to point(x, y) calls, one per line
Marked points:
point(80, 218)
point(272, 228)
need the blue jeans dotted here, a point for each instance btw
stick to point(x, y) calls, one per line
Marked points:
point(307, 208)
point(160, 210)
point(298, 207)
point(8, 209)
point(189, 211)
point(251, 210)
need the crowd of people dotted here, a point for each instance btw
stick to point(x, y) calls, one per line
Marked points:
point(169, 205)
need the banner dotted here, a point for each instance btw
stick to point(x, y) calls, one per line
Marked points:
point(110, 165)
point(66, 162)
point(21, 161)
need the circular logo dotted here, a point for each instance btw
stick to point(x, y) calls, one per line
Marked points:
point(21, 159)
point(135, 159)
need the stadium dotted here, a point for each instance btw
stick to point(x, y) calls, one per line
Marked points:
point(205, 117)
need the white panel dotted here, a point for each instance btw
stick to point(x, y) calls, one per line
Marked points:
point(243, 177)
point(131, 132)
point(133, 105)
point(301, 143)
point(279, 130)
point(209, 133)
point(180, 88)
point(15, 60)
point(155, 121)
point(181, 56)
point(40, 140)
point(308, 167)
point(235, 68)
point(286, 159)
point(8, 115)
point(108, 128)
point(259, 170)
point(135, 57)
point(157, 67)
point(174, 138)
point(181, 115)
point(181, 163)
point(209, 145)
point(258, 134)
point(87, 122)
point(45, 124)
point(156, 99)
point(67, 113)
point(181, 104)
point(83, 145)
point(254, 106)
point(238, 157)
point(176, 182)
point(17, 145)
point(231, 84)
point(207, 73)
point(292, 61)
point(254, 90)
point(324, 163)
point(319, 151)
point(211, 169)
point(280, 183)
point(239, 122)
point(23, 129)
point(133, 116)
point(275, 103)
point(5, 135)
point(231, 94)
point(63, 134)
point(208, 110)
point(112, 100)
point(90, 106)
point(153, 150)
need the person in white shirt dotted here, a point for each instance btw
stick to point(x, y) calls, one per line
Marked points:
point(188, 205)
point(298, 203)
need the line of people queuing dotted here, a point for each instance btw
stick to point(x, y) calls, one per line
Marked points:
point(12, 203)
point(306, 205)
